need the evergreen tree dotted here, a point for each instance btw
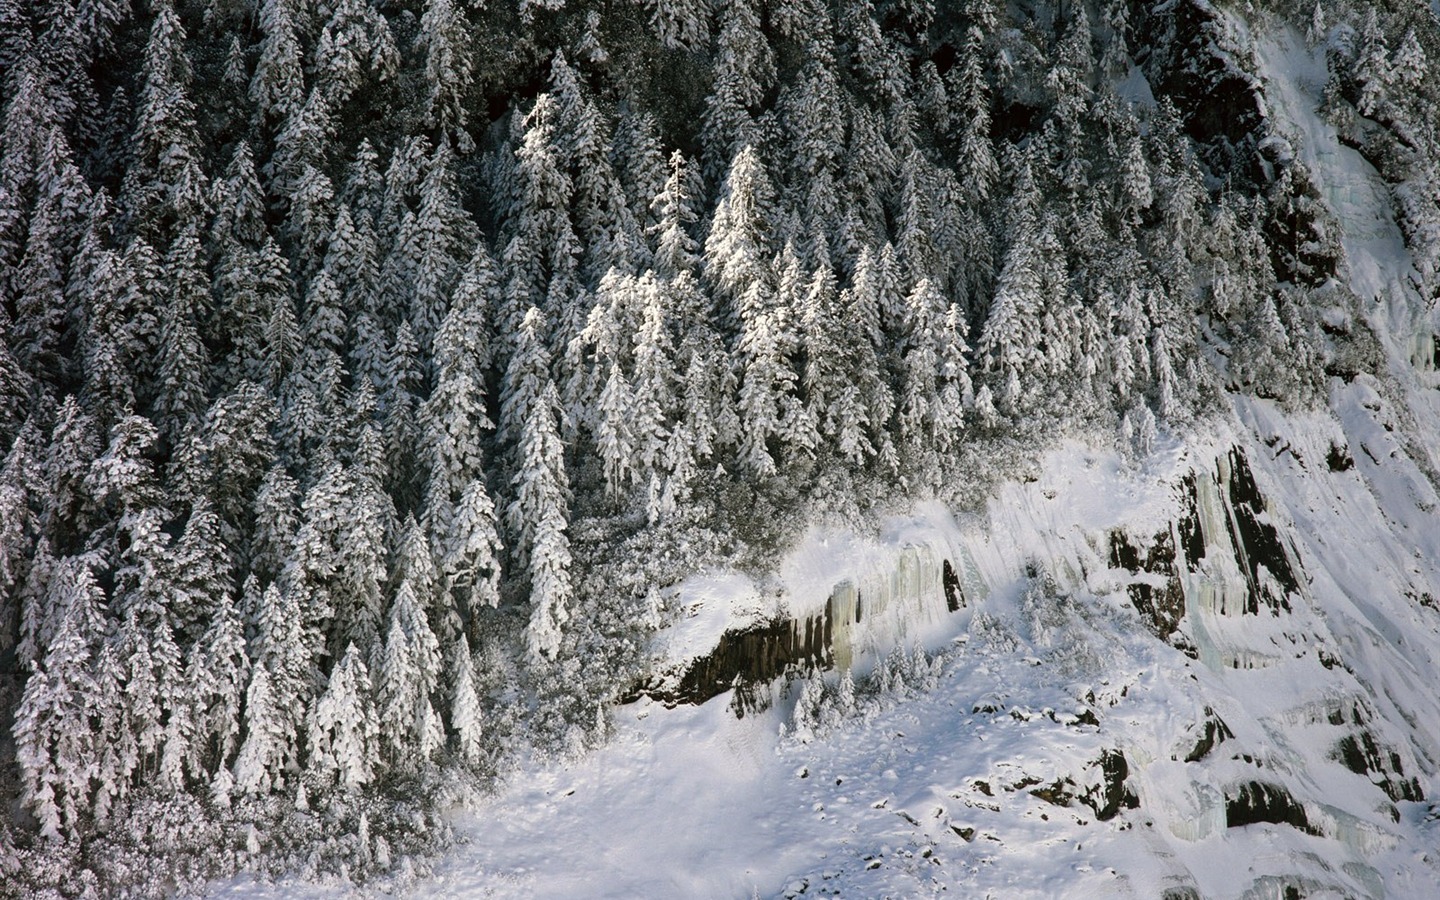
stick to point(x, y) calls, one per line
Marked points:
point(744, 71)
point(831, 380)
point(737, 246)
point(227, 672)
point(979, 170)
point(35, 334)
point(356, 39)
point(639, 162)
point(813, 112)
point(674, 207)
point(312, 210)
point(466, 717)
point(919, 420)
point(613, 434)
point(1011, 328)
point(538, 516)
point(20, 481)
point(444, 236)
point(609, 235)
point(67, 497)
point(259, 767)
point(472, 549)
point(343, 731)
point(399, 397)
point(256, 315)
point(454, 419)
point(680, 24)
point(768, 408)
point(397, 694)
point(449, 68)
point(351, 260)
point(653, 389)
point(278, 86)
point(239, 203)
point(165, 189)
point(181, 391)
point(1373, 74)
point(542, 246)
point(55, 745)
point(305, 136)
point(409, 673)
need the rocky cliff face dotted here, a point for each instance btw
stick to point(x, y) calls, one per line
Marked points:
point(1226, 653)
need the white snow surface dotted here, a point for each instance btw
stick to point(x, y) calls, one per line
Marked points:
point(930, 790)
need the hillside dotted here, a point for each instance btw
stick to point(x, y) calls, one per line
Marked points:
point(712, 449)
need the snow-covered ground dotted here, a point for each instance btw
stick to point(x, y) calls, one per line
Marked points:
point(973, 780)
point(933, 790)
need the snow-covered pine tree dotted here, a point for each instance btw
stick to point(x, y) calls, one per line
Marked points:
point(680, 24)
point(653, 388)
point(675, 211)
point(614, 437)
point(408, 674)
point(1007, 341)
point(832, 375)
point(744, 71)
point(467, 720)
point(54, 742)
point(165, 188)
point(918, 418)
point(606, 227)
point(343, 730)
point(355, 42)
point(979, 170)
point(438, 243)
point(402, 385)
point(449, 68)
point(259, 766)
point(541, 243)
point(538, 514)
point(454, 419)
point(278, 86)
point(227, 673)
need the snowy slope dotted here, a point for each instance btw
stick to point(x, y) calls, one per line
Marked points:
point(935, 790)
point(1266, 736)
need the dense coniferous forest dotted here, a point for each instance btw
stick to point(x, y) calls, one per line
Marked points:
point(372, 367)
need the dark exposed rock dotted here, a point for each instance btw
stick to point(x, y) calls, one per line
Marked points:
point(1192, 537)
point(954, 599)
point(1161, 608)
point(1257, 542)
point(747, 658)
point(1362, 755)
point(1105, 799)
point(1087, 717)
point(1184, 52)
point(1059, 793)
point(1112, 794)
point(1339, 459)
point(1213, 731)
point(753, 656)
point(1256, 801)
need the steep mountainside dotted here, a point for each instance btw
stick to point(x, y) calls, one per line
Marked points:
point(1205, 670)
point(781, 446)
